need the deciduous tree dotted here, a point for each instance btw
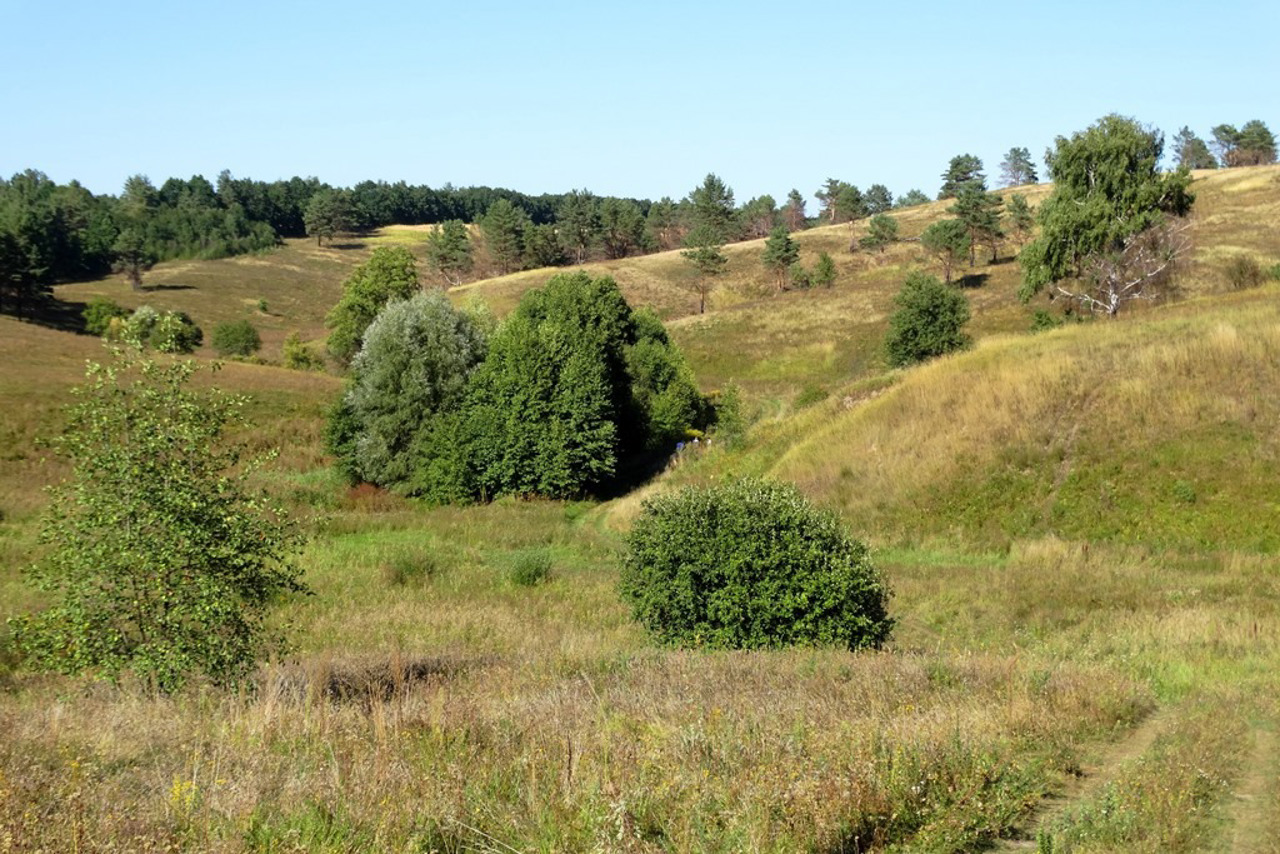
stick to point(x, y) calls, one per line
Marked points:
point(1110, 231)
point(391, 273)
point(948, 241)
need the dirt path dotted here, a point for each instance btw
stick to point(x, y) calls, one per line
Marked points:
point(1250, 815)
point(1097, 773)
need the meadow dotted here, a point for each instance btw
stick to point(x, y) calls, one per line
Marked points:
point(1079, 526)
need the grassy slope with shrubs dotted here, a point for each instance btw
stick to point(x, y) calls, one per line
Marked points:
point(439, 704)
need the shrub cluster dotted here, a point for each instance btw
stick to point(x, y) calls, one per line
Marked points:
point(572, 385)
point(236, 338)
point(929, 321)
point(164, 332)
point(751, 564)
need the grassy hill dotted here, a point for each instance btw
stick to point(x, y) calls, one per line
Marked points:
point(1079, 527)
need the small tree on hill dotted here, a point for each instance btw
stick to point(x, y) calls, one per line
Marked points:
point(236, 338)
point(793, 214)
point(133, 257)
point(578, 222)
point(881, 231)
point(164, 561)
point(390, 273)
point(751, 565)
point(912, 198)
point(980, 213)
point(328, 214)
point(929, 321)
point(1251, 145)
point(1190, 151)
point(1017, 169)
point(780, 252)
point(878, 199)
point(708, 258)
point(1110, 231)
point(829, 195)
point(1021, 218)
point(712, 212)
point(824, 271)
point(449, 251)
point(948, 241)
point(965, 170)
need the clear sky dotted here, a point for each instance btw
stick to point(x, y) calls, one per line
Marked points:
point(638, 99)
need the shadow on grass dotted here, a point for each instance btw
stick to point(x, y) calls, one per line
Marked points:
point(149, 288)
point(973, 280)
point(50, 313)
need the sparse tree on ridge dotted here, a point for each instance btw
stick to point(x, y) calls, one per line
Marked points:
point(793, 213)
point(948, 241)
point(760, 216)
point(912, 198)
point(877, 199)
point(980, 212)
point(328, 214)
point(1251, 145)
point(1017, 168)
point(882, 230)
point(963, 171)
point(1190, 151)
point(850, 204)
point(1111, 230)
point(780, 252)
point(708, 259)
point(133, 258)
point(449, 250)
point(712, 212)
point(829, 195)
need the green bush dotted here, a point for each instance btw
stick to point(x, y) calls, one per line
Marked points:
point(297, 356)
point(1043, 320)
point(530, 568)
point(929, 321)
point(748, 565)
point(410, 567)
point(167, 332)
point(236, 338)
point(99, 313)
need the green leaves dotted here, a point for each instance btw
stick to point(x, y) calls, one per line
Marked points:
point(162, 560)
point(751, 564)
point(929, 321)
point(390, 273)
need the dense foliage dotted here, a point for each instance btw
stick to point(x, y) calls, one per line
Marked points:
point(751, 564)
point(929, 321)
point(407, 384)
point(236, 338)
point(1104, 224)
point(390, 273)
point(162, 560)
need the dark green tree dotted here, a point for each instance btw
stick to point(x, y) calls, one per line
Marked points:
point(1251, 145)
point(881, 231)
point(780, 252)
point(1109, 231)
point(824, 271)
point(829, 195)
point(712, 213)
point(948, 241)
point(236, 338)
point(793, 214)
point(449, 251)
point(163, 559)
point(708, 259)
point(911, 199)
point(1021, 219)
point(751, 564)
point(664, 224)
point(621, 228)
point(965, 170)
point(542, 247)
point(878, 199)
point(980, 212)
point(1190, 151)
point(760, 216)
point(850, 204)
point(928, 322)
point(1017, 169)
point(328, 214)
point(578, 222)
point(133, 257)
point(504, 227)
point(391, 273)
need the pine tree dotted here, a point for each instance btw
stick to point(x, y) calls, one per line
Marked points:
point(881, 231)
point(449, 250)
point(780, 252)
point(1017, 168)
point(964, 170)
point(793, 213)
point(878, 199)
point(1191, 151)
point(504, 226)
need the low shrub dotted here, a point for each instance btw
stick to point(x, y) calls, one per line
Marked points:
point(1244, 271)
point(99, 313)
point(297, 356)
point(529, 568)
point(751, 564)
point(409, 568)
point(236, 338)
point(929, 321)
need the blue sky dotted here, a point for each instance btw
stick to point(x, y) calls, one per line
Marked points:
point(639, 99)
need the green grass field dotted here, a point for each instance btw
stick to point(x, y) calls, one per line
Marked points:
point(1080, 529)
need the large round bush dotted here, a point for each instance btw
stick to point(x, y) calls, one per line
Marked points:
point(751, 564)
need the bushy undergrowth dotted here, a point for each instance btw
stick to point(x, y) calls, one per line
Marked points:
point(236, 338)
point(751, 564)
